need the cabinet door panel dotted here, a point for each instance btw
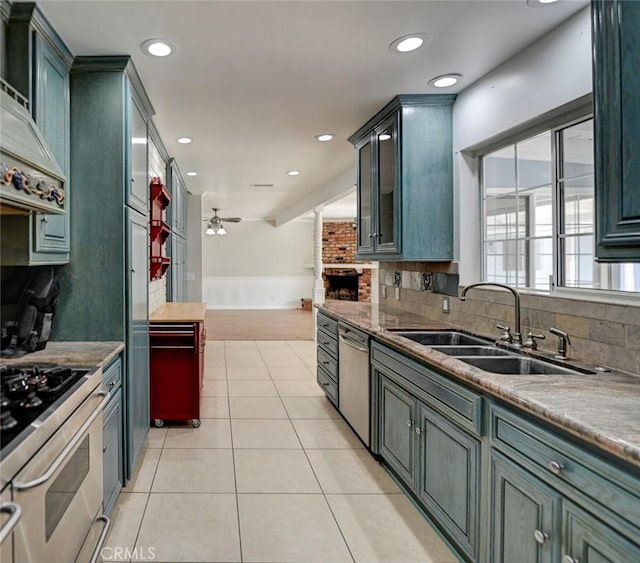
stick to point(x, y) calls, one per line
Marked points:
point(112, 451)
point(137, 196)
point(396, 419)
point(387, 141)
point(521, 504)
point(137, 337)
point(616, 71)
point(449, 480)
point(365, 202)
point(51, 113)
point(588, 540)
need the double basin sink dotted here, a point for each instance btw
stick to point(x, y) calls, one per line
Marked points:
point(484, 354)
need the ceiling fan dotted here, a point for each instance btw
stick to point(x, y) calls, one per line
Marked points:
point(214, 224)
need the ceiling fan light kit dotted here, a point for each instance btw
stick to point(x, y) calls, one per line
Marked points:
point(214, 224)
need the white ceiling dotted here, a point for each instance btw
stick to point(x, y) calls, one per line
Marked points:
point(253, 82)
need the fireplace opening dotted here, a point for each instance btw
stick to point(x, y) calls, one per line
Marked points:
point(343, 287)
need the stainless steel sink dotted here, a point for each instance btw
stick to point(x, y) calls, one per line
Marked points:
point(442, 338)
point(517, 365)
point(472, 351)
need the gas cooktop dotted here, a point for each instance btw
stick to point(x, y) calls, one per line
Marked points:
point(27, 394)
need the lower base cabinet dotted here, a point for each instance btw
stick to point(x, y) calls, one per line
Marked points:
point(112, 436)
point(112, 452)
point(438, 462)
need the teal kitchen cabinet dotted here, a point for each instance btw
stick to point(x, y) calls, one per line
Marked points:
point(39, 70)
point(176, 290)
point(525, 515)
point(327, 354)
point(104, 293)
point(113, 442)
point(405, 180)
point(616, 83)
point(553, 500)
point(429, 435)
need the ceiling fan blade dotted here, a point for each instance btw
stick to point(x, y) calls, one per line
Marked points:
point(231, 219)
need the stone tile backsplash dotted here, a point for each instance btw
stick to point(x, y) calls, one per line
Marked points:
point(601, 333)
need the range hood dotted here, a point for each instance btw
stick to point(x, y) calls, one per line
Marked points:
point(30, 177)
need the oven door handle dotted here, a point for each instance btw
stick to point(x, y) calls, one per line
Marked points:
point(15, 513)
point(17, 486)
point(103, 536)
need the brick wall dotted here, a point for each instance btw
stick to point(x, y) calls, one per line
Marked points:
point(339, 246)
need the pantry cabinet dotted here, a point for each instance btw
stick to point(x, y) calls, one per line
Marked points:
point(113, 442)
point(104, 293)
point(39, 70)
point(616, 83)
point(405, 180)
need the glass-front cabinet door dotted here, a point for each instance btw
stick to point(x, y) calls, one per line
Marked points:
point(365, 199)
point(386, 235)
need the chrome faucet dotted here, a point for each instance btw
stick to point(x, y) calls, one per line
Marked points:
point(516, 337)
point(563, 341)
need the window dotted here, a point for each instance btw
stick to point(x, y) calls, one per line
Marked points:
point(538, 202)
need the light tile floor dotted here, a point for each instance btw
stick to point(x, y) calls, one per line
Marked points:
point(273, 474)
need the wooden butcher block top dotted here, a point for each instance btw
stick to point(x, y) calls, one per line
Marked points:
point(179, 312)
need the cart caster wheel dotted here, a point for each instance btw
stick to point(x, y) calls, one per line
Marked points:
point(195, 423)
point(158, 423)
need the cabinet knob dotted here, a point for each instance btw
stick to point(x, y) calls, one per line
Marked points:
point(409, 423)
point(104, 449)
point(44, 219)
point(569, 559)
point(371, 235)
point(540, 537)
point(418, 430)
point(556, 467)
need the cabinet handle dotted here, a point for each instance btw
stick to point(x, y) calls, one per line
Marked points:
point(556, 467)
point(409, 423)
point(418, 430)
point(371, 235)
point(569, 559)
point(380, 235)
point(104, 449)
point(540, 537)
point(112, 385)
point(44, 219)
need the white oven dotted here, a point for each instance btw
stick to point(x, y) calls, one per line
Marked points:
point(60, 490)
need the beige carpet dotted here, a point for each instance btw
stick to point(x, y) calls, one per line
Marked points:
point(263, 324)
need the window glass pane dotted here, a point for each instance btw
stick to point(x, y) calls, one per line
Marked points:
point(541, 262)
point(578, 261)
point(364, 201)
point(577, 150)
point(500, 172)
point(534, 161)
point(539, 211)
point(504, 217)
point(578, 205)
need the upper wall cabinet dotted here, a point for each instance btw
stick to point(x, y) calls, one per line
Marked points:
point(39, 70)
point(178, 188)
point(405, 180)
point(616, 83)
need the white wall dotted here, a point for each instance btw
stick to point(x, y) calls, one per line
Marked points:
point(193, 273)
point(550, 73)
point(258, 266)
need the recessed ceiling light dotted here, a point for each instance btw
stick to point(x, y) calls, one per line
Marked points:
point(325, 137)
point(539, 3)
point(294, 172)
point(185, 140)
point(157, 47)
point(445, 80)
point(138, 140)
point(410, 42)
point(192, 173)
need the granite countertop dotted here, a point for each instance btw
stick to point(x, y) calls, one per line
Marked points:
point(179, 312)
point(601, 408)
point(70, 354)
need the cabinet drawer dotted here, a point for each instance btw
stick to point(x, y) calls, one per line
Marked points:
point(329, 386)
point(327, 323)
point(328, 364)
point(112, 375)
point(458, 403)
point(328, 341)
point(565, 465)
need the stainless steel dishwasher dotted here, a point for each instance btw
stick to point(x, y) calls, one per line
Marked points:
point(353, 379)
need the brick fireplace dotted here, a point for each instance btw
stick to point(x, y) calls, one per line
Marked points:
point(351, 282)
